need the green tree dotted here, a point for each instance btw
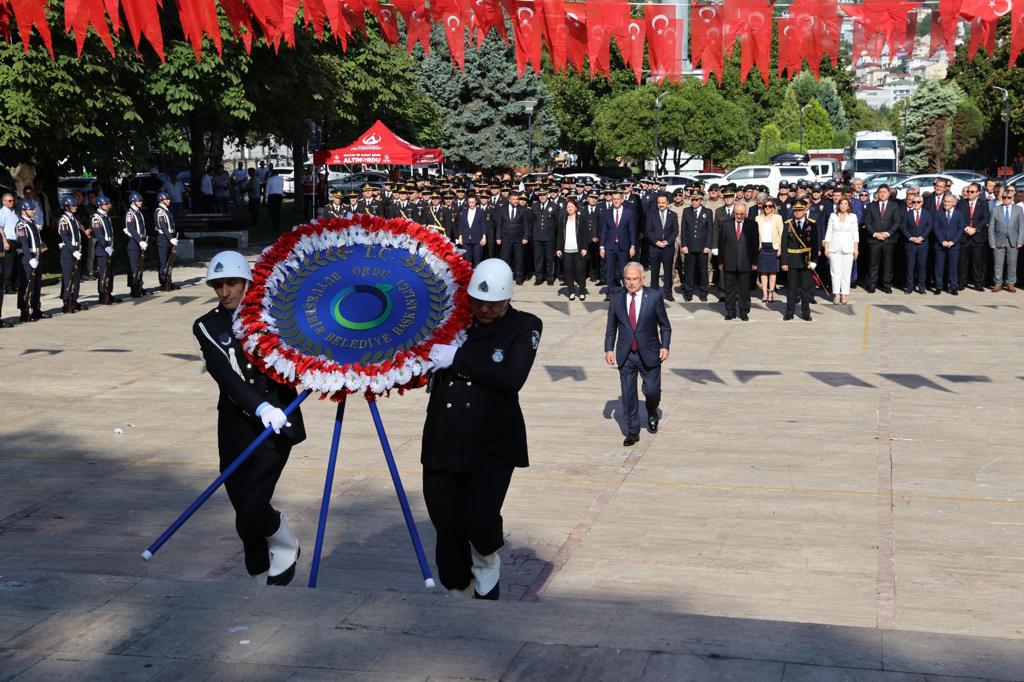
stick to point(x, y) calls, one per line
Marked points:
point(965, 132)
point(698, 121)
point(863, 117)
point(624, 126)
point(929, 118)
point(482, 123)
point(787, 117)
point(828, 95)
point(818, 131)
point(805, 87)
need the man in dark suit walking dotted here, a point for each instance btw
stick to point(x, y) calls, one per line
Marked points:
point(737, 259)
point(636, 340)
point(618, 239)
point(662, 230)
point(882, 220)
point(974, 246)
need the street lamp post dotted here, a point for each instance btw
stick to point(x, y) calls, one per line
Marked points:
point(528, 106)
point(1006, 126)
point(657, 117)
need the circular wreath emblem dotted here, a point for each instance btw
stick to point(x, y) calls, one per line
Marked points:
point(343, 306)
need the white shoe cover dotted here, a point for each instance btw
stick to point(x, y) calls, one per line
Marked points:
point(284, 549)
point(486, 570)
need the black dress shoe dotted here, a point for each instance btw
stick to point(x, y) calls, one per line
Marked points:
point(5, 325)
point(41, 316)
point(870, 290)
point(669, 297)
point(631, 439)
point(806, 316)
point(490, 596)
point(704, 298)
point(80, 307)
point(551, 281)
point(886, 290)
point(744, 317)
point(907, 291)
point(652, 425)
point(955, 292)
point(787, 316)
point(519, 282)
point(936, 291)
point(607, 298)
point(813, 300)
point(730, 316)
point(538, 282)
point(687, 297)
point(921, 290)
point(978, 287)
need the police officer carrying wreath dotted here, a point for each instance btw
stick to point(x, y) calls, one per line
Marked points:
point(475, 436)
point(249, 403)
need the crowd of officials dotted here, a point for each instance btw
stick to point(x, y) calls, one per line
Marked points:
point(825, 237)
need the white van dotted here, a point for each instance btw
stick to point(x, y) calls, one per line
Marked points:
point(769, 176)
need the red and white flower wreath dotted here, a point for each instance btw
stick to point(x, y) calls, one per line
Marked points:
point(255, 327)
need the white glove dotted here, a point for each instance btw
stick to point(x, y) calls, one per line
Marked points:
point(77, 255)
point(714, 252)
point(443, 355)
point(60, 245)
point(143, 245)
point(174, 242)
point(812, 265)
point(109, 250)
point(34, 262)
point(272, 417)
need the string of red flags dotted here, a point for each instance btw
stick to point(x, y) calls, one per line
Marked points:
point(577, 36)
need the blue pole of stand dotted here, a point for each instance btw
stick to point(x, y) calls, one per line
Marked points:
point(314, 568)
point(205, 495)
point(410, 523)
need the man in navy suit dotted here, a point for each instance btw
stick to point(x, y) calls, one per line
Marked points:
point(947, 226)
point(974, 246)
point(636, 340)
point(661, 232)
point(882, 220)
point(696, 244)
point(917, 229)
point(510, 233)
point(618, 239)
point(471, 228)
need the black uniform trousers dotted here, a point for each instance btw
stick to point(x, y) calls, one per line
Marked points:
point(3, 278)
point(465, 507)
point(135, 259)
point(594, 262)
point(972, 262)
point(544, 260)
point(696, 269)
point(512, 253)
point(68, 284)
point(798, 285)
point(102, 262)
point(29, 299)
point(251, 487)
point(575, 272)
point(916, 257)
point(737, 290)
point(274, 208)
point(650, 386)
point(163, 252)
point(882, 255)
point(661, 266)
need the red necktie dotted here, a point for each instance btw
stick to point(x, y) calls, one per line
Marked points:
point(917, 218)
point(970, 213)
point(632, 318)
point(616, 217)
point(739, 227)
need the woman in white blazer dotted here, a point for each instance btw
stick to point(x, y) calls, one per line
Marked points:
point(841, 243)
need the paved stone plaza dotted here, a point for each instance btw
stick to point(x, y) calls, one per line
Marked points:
point(834, 500)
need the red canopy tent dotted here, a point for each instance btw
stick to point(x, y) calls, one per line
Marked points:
point(379, 145)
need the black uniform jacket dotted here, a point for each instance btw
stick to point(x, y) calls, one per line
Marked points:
point(799, 245)
point(242, 387)
point(474, 412)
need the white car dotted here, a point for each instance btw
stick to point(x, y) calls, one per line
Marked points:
point(769, 176)
point(708, 178)
point(678, 181)
point(924, 183)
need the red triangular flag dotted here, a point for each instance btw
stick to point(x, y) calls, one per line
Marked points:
point(576, 34)
point(706, 47)
point(664, 52)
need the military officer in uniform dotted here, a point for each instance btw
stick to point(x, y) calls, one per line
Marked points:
point(437, 216)
point(369, 205)
point(402, 208)
point(543, 218)
point(135, 228)
point(474, 435)
point(103, 236)
point(166, 239)
point(69, 232)
point(800, 251)
point(353, 203)
point(697, 241)
point(334, 208)
point(31, 247)
point(249, 403)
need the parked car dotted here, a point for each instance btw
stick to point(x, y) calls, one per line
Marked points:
point(67, 187)
point(585, 177)
point(967, 176)
point(1017, 181)
point(925, 182)
point(769, 176)
point(674, 182)
point(876, 180)
point(355, 181)
point(708, 178)
point(146, 184)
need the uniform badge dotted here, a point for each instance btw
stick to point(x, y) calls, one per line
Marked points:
point(498, 355)
point(535, 339)
point(225, 339)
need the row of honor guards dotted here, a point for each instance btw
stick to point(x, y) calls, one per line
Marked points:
point(72, 235)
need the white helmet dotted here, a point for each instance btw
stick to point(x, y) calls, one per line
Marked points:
point(228, 264)
point(491, 281)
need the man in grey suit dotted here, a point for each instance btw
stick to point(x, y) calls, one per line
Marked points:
point(1005, 236)
point(636, 340)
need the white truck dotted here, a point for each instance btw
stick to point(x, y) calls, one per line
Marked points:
point(872, 151)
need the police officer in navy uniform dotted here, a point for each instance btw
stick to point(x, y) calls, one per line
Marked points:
point(166, 239)
point(103, 237)
point(70, 235)
point(474, 435)
point(543, 217)
point(801, 249)
point(31, 247)
point(249, 403)
point(135, 228)
point(334, 208)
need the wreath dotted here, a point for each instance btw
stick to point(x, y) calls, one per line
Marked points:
point(354, 305)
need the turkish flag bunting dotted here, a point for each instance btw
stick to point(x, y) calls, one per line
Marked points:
point(314, 13)
point(631, 45)
point(354, 14)
point(269, 15)
point(706, 47)
point(751, 22)
point(451, 15)
point(819, 24)
point(576, 34)
point(1016, 32)
point(143, 20)
point(904, 41)
point(604, 21)
point(664, 52)
point(29, 14)
point(983, 34)
point(487, 15)
point(879, 21)
point(198, 17)
point(986, 10)
point(417, 25)
point(944, 25)
point(555, 33)
point(239, 18)
point(387, 19)
point(528, 27)
point(791, 47)
point(79, 14)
